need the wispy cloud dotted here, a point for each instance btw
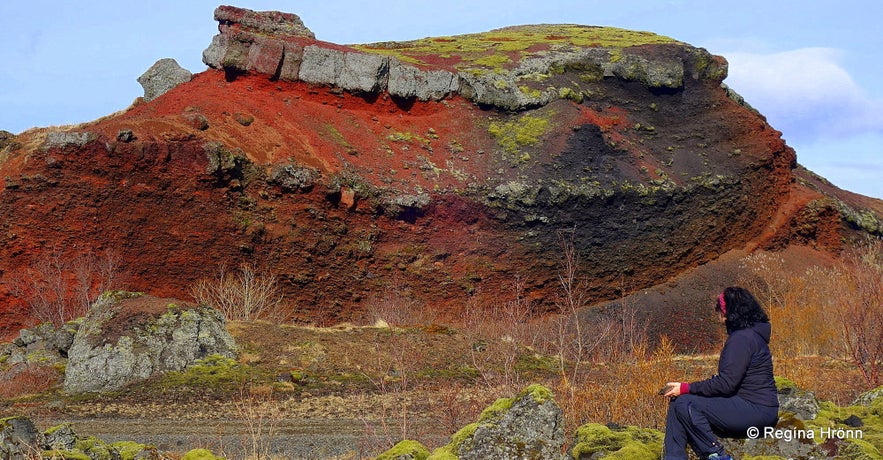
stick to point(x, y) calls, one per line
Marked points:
point(805, 93)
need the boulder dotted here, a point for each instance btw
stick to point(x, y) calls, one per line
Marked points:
point(797, 401)
point(869, 397)
point(405, 450)
point(594, 440)
point(42, 344)
point(789, 440)
point(18, 437)
point(128, 336)
point(161, 77)
point(530, 425)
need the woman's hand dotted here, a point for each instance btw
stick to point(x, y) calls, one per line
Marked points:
point(674, 389)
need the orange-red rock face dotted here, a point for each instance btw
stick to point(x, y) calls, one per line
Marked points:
point(412, 197)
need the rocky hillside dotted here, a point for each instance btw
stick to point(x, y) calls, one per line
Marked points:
point(438, 171)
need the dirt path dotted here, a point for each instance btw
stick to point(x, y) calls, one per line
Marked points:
point(312, 439)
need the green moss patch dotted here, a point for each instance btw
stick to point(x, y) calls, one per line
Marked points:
point(496, 48)
point(524, 131)
point(407, 448)
point(626, 443)
point(212, 373)
point(201, 454)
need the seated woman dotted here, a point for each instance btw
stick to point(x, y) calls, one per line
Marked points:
point(740, 396)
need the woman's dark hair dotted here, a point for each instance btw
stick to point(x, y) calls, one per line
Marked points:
point(742, 309)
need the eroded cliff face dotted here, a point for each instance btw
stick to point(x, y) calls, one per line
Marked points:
point(434, 172)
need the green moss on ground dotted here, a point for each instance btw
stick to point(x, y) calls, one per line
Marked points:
point(489, 49)
point(201, 454)
point(414, 449)
point(214, 372)
point(627, 443)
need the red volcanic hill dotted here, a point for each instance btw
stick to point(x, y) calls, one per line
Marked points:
point(436, 171)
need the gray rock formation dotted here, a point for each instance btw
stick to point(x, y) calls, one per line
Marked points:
point(356, 72)
point(799, 402)
point(63, 139)
point(129, 336)
point(20, 440)
point(162, 76)
point(43, 344)
point(529, 425)
point(869, 397)
point(407, 82)
point(18, 436)
point(278, 44)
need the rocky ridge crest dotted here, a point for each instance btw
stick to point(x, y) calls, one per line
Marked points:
point(281, 47)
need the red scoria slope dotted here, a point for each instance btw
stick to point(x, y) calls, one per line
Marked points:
point(436, 202)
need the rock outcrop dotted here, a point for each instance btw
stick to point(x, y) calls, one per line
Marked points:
point(21, 440)
point(799, 402)
point(447, 167)
point(162, 76)
point(280, 46)
point(529, 425)
point(130, 336)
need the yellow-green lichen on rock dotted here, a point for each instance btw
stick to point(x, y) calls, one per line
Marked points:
point(524, 131)
point(626, 443)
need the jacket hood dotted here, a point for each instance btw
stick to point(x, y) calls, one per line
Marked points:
point(764, 330)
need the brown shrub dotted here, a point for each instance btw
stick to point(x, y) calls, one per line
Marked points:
point(23, 380)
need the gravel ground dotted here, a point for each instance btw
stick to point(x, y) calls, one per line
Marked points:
point(312, 439)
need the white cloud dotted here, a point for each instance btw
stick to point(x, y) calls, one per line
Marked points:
point(805, 93)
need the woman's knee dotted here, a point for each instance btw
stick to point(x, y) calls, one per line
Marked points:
point(681, 404)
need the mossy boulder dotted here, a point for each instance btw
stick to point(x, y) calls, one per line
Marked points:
point(201, 454)
point(870, 398)
point(595, 440)
point(530, 425)
point(405, 450)
point(129, 336)
point(795, 400)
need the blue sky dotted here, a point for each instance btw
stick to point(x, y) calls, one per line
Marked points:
point(812, 67)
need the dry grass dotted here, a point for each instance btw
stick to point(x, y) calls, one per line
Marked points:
point(32, 379)
point(833, 312)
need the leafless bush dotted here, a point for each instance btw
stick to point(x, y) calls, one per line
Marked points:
point(861, 312)
point(397, 309)
point(832, 311)
point(262, 417)
point(392, 374)
point(57, 288)
point(498, 333)
point(245, 295)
